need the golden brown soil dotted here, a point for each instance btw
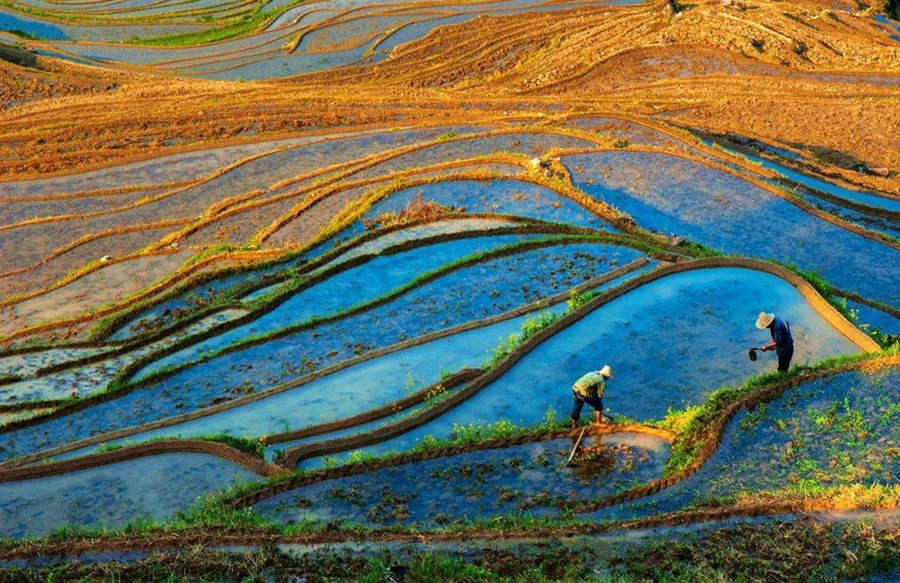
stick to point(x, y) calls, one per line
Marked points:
point(804, 74)
point(761, 67)
point(25, 77)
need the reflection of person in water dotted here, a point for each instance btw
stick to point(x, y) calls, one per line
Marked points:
point(782, 341)
point(589, 389)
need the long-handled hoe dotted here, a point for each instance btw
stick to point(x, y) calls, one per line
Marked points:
point(577, 444)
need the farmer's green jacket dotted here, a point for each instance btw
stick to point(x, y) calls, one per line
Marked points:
point(593, 383)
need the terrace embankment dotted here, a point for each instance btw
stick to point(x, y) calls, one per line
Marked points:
point(382, 270)
point(707, 439)
point(810, 68)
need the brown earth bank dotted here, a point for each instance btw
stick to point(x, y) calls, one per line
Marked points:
point(802, 72)
point(224, 536)
point(773, 550)
point(26, 77)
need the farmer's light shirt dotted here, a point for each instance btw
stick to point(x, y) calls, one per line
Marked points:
point(590, 384)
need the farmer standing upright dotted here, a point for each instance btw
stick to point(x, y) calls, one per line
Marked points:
point(782, 341)
point(589, 389)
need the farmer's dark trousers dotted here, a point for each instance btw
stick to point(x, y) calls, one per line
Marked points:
point(784, 358)
point(579, 401)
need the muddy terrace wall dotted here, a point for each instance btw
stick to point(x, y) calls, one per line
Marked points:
point(260, 351)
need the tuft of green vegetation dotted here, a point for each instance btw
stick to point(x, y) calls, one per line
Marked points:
point(882, 338)
point(24, 34)
point(575, 300)
point(250, 446)
point(229, 28)
point(530, 327)
point(693, 438)
point(219, 249)
point(470, 434)
point(247, 445)
point(501, 429)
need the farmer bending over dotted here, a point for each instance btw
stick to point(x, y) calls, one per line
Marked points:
point(589, 389)
point(782, 341)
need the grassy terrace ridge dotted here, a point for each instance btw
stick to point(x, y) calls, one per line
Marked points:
point(122, 382)
point(230, 28)
point(249, 446)
point(736, 552)
point(276, 297)
point(217, 513)
point(220, 29)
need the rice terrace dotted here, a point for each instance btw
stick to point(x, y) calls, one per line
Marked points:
point(486, 290)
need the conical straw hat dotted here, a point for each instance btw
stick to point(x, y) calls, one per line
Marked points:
point(763, 320)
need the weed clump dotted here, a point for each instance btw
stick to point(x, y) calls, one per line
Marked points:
point(417, 210)
point(530, 327)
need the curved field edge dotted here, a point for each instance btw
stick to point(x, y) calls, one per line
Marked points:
point(557, 180)
point(225, 447)
point(730, 549)
point(552, 326)
point(698, 437)
point(226, 519)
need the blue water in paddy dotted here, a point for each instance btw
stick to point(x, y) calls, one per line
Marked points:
point(670, 344)
point(672, 195)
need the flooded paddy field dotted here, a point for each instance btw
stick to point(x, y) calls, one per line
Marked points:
point(297, 37)
point(304, 287)
point(485, 484)
point(33, 507)
point(642, 185)
point(836, 430)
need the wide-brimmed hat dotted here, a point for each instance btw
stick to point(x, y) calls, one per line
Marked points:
point(763, 320)
point(605, 371)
